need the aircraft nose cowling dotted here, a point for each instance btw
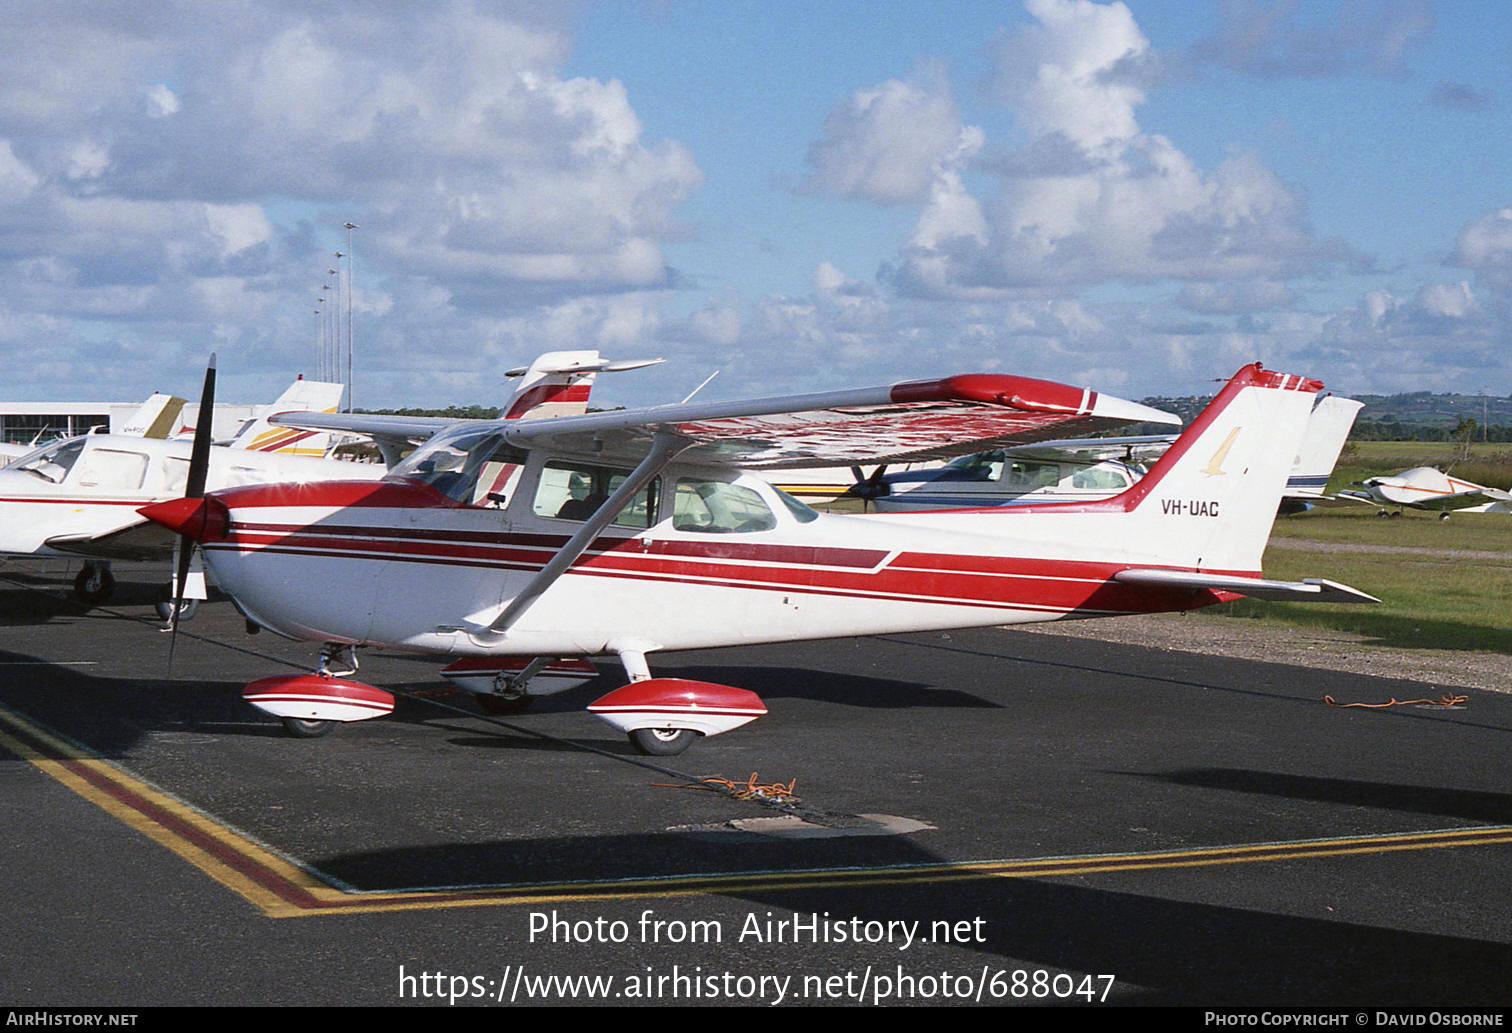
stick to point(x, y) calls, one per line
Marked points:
point(201, 520)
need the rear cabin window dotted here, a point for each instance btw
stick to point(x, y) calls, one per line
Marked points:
point(112, 469)
point(1098, 479)
point(1033, 475)
point(718, 507)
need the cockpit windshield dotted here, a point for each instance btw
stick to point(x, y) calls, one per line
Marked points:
point(51, 462)
point(471, 465)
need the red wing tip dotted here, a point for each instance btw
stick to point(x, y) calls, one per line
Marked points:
point(996, 389)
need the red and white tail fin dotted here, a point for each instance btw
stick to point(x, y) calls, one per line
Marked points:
point(558, 383)
point(302, 396)
point(1208, 504)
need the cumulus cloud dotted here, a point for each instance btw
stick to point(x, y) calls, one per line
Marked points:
point(171, 159)
point(1274, 38)
point(1090, 196)
point(1232, 298)
point(886, 143)
point(1485, 245)
point(1058, 75)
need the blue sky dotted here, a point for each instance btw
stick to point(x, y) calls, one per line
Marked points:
point(1134, 197)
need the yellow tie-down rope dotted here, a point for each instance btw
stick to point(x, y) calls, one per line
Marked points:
point(750, 789)
point(1446, 700)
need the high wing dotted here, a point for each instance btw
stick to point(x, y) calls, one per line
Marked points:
point(929, 419)
point(933, 419)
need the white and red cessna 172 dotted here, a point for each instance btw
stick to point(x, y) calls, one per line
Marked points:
point(628, 532)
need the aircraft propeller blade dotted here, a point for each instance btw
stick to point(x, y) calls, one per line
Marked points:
point(194, 488)
point(869, 488)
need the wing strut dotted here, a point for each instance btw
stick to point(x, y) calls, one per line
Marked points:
point(665, 447)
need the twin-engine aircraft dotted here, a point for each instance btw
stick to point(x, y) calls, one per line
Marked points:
point(522, 547)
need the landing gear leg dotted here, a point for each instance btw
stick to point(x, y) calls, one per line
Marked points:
point(653, 742)
point(509, 695)
point(337, 660)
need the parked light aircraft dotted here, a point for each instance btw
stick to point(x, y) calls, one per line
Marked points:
point(630, 532)
point(1093, 468)
point(1423, 487)
point(79, 497)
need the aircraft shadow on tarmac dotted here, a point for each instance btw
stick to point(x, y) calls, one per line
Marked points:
point(112, 713)
point(1479, 807)
point(1162, 951)
point(28, 599)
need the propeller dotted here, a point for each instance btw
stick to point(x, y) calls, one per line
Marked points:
point(869, 488)
point(194, 488)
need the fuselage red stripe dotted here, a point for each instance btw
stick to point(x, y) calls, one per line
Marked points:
point(1042, 585)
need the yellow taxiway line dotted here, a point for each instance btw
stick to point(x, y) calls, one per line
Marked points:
point(282, 888)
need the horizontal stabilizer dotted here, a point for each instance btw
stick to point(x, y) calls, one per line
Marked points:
point(1308, 590)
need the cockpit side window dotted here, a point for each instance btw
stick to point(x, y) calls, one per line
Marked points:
point(982, 466)
point(53, 462)
point(477, 467)
point(574, 491)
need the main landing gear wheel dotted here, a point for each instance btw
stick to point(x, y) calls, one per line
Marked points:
point(94, 584)
point(502, 706)
point(662, 742)
point(300, 728)
point(164, 606)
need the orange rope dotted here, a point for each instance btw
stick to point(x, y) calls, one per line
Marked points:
point(747, 790)
point(1446, 700)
